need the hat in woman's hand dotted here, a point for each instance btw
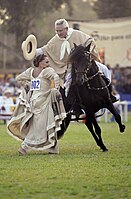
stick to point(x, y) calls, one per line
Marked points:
point(29, 47)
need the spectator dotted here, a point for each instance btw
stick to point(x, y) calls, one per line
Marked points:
point(6, 105)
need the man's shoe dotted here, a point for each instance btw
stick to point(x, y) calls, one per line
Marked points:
point(114, 99)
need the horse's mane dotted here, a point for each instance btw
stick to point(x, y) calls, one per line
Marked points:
point(76, 53)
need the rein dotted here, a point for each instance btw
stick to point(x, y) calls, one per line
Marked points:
point(99, 88)
point(86, 79)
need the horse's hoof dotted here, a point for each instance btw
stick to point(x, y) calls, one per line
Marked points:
point(105, 150)
point(123, 128)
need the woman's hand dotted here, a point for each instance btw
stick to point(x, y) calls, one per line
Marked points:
point(27, 88)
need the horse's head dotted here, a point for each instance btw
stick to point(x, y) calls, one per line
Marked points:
point(80, 58)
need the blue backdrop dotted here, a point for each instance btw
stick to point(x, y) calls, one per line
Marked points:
point(126, 97)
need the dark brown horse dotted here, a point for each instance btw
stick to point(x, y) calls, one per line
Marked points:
point(89, 92)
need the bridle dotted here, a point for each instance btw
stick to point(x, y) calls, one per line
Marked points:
point(85, 78)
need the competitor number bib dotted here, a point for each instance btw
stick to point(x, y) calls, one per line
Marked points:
point(35, 84)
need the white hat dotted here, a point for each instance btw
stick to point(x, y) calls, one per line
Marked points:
point(29, 47)
point(7, 91)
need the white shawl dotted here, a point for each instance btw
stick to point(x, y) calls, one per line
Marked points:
point(65, 45)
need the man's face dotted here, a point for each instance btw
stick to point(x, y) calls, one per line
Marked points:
point(62, 32)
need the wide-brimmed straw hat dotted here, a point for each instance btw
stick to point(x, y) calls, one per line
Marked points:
point(29, 47)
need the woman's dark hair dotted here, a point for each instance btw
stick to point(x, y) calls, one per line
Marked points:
point(38, 59)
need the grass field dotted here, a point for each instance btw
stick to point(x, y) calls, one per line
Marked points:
point(80, 171)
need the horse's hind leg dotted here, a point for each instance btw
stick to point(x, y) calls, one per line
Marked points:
point(90, 122)
point(98, 132)
point(112, 109)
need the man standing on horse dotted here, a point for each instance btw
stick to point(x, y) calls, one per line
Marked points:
point(58, 48)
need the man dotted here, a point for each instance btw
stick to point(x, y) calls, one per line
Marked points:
point(58, 48)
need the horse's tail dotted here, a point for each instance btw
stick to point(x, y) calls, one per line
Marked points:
point(102, 113)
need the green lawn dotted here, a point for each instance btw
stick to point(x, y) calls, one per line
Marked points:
point(80, 171)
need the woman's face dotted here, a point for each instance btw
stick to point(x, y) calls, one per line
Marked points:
point(44, 63)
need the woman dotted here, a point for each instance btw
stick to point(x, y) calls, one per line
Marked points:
point(40, 111)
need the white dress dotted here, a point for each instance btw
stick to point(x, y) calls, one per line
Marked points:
point(35, 119)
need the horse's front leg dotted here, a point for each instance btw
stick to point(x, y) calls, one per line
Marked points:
point(90, 123)
point(113, 110)
point(64, 126)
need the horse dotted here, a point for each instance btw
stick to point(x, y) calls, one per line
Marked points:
point(88, 92)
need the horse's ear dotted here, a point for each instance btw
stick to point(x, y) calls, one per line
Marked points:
point(88, 48)
point(75, 45)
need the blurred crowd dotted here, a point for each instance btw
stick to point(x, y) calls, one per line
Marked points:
point(121, 80)
point(9, 96)
point(8, 82)
point(10, 90)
